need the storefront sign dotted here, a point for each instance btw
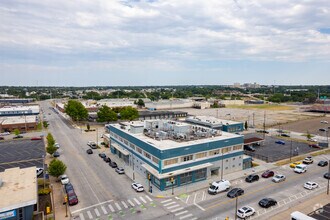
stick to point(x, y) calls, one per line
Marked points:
point(5, 215)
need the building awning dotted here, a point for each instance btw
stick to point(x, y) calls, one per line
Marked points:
point(120, 149)
point(155, 173)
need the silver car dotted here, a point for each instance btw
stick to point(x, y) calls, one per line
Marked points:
point(278, 178)
point(120, 170)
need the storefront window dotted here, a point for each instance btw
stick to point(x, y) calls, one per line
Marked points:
point(200, 174)
point(186, 178)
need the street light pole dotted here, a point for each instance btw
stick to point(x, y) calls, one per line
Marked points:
point(222, 166)
point(43, 168)
point(133, 166)
point(290, 151)
point(236, 207)
point(328, 178)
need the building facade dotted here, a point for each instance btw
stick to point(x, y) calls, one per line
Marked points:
point(19, 110)
point(216, 123)
point(22, 123)
point(175, 153)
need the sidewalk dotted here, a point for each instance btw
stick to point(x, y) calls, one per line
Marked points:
point(305, 207)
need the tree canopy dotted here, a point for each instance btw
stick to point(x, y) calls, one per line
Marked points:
point(56, 168)
point(129, 113)
point(76, 110)
point(106, 114)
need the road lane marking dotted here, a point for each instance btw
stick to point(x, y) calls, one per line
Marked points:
point(142, 199)
point(186, 216)
point(91, 206)
point(167, 204)
point(97, 212)
point(104, 210)
point(111, 208)
point(130, 202)
point(175, 210)
point(118, 206)
point(187, 199)
point(89, 215)
point(166, 201)
point(81, 216)
point(124, 204)
point(200, 207)
point(181, 213)
point(173, 206)
point(149, 198)
point(137, 201)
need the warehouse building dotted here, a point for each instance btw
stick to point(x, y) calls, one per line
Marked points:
point(19, 110)
point(175, 153)
point(22, 123)
point(216, 123)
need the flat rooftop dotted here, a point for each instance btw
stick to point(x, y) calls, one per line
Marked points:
point(19, 188)
point(210, 120)
point(166, 144)
point(18, 120)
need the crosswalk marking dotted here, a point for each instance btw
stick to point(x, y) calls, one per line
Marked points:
point(97, 212)
point(142, 199)
point(118, 206)
point(111, 208)
point(149, 198)
point(126, 206)
point(180, 213)
point(81, 216)
point(137, 201)
point(178, 209)
point(194, 218)
point(166, 201)
point(167, 204)
point(89, 215)
point(186, 216)
point(104, 210)
point(173, 206)
point(130, 202)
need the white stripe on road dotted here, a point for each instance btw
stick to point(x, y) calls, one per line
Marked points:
point(166, 201)
point(178, 209)
point(81, 216)
point(137, 201)
point(124, 204)
point(111, 208)
point(104, 210)
point(167, 204)
point(130, 202)
point(97, 212)
point(118, 207)
point(194, 218)
point(180, 213)
point(149, 198)
point(79, 210)
point(89, 215)
point(174, 206)
point(142, 199)
point(186, 216)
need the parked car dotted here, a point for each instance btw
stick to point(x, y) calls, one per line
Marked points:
point(137, 187)
point(308, 160)
point(92, 144)
point(294, 164)
point(17, 136)
point(89, 151)
point(267, 174)
point(280, 142)
point(102, 155)
point(235, 192)
point(314, 146)
point(323, 129)
point(56, 154)
point(251, 178)
point(219, 186)
point(301, 168)
point(249, 148)
point(39, 171)
point(245, 212)
point(278, 178)
point(113, 164)
point(267, 202)
point(311, 185)
point(72, 200)
point(312, 140)
point(323, 163)
point(2, 138)
point(64, 179)
point(120, 170)
point(285, 135)
point(36, 138)
point(327, 175)
point(107, 159)
point(324, 122)
point(68, 187)
point(57, 145)
point(4, 133)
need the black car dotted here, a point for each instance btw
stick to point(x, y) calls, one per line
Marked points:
point(56, 154)
point(235, 192)
point(68, 187)
point(251, 178)
point(267, 202)
point(102, 155)
point(18, 136)
point(89, 151)
point(107, 159)
point(113, 164)
point(323, 129)
point(2, 138)
point(285, 135)
point(326, 175)
point(323, 163)
point(249, 148)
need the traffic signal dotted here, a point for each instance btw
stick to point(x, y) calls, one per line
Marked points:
point(172, 180)
point(149, 177)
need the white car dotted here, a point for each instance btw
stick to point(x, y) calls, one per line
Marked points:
point(311, 185)
point(137, 187)
point(57, 145)
point(278, 178)
point(324, 122)
point(64, 179)
point(39, 171)
point(313, 140)
point(4, 133)
point(245, 211)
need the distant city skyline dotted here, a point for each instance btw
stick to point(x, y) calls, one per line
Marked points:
point(170, 42)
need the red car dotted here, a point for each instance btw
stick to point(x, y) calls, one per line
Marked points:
point(36, 139)
point(72, 197)
point(314, 146)
point(267, 174)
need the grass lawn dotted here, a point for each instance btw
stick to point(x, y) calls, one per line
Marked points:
point(262, 107)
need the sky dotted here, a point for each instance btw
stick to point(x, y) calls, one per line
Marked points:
point(165, 42)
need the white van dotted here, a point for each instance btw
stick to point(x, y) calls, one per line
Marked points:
point(300, 216)
point(219, 186)
point(301, 168)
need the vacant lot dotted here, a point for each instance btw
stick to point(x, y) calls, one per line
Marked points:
point(309, 125)
point(263, 107)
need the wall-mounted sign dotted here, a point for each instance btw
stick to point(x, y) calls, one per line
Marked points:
point(5, 215)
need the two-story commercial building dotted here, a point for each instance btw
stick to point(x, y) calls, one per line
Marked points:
point(169, 150)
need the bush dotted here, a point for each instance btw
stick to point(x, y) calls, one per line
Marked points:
point(44, 191)
point(41, 182)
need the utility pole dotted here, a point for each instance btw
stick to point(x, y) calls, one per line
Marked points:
point(97, 137)
point(253, 119)
point(222, 166)
point(133, 166)
point(328, 179)
point(264, 124)
point(290, 151)
point(236, 207)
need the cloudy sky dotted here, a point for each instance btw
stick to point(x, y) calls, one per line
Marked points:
point(165, 42)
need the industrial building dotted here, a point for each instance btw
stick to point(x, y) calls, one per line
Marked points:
point(19, 110)
point(147, 115)
point(22, 123)
point(175, 153)
point(177, 103)
point(216, 123)
point(12, 100)
point(18, 193)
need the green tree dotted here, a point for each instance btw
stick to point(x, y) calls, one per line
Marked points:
point(50, 139)
point(56, 168)
point(45, 124)
point(51, 149)
point(76, 110)
point(17, 132)
point(246, 125)
point(106, 114)
point(140, 103)
point(129, 113)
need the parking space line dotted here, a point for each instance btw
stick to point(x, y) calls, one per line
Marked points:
point(186, 216)
point(81, 216)
point(118, 206)
point(126, 206)
point(173, 206)
point(167, 204)
point(178, 209)
point(130, 202)
point(166, 201)
point(104, 210)
point(181, 213)
point(97, 212)
point(142, 199)
point(137, 201)
point(149, 198)
point(187, 199)
point(89, 215)
point(111, 208)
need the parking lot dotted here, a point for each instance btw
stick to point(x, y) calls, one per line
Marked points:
point(271, 151)
point(21, 153)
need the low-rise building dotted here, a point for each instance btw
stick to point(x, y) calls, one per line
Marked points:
point(18, 193)
point(216, 123)
point(147, 115)
point(19, 110)
point(22, 123)
point(174, 153)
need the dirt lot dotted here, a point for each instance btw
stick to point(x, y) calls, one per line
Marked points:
point(310, 125)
